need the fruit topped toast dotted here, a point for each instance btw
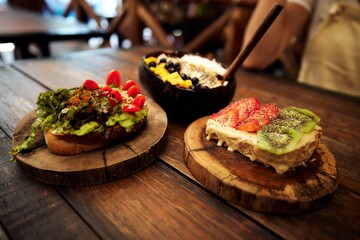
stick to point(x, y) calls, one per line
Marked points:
point(280, 138)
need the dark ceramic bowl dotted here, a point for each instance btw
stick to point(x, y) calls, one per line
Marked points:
point(184, 104)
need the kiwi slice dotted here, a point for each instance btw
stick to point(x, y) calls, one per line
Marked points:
point(302, 120)
point(277, 139)
point(309, 114)
point(301, 124)
point(303, 111)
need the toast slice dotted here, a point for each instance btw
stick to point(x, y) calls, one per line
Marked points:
point(68, 144)
point(246, 144)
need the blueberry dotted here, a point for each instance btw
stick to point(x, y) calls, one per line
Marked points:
point(177, 67)
point(171, 69)
point(194, 80)
point(169, 65)
point(184, 76)
point(152, 64)
point(162, 60)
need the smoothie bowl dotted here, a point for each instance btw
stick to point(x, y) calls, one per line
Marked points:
point(186, 86)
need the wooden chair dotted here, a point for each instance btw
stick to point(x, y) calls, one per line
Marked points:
point(137, 14)
point(82, 10)
point(133, 10)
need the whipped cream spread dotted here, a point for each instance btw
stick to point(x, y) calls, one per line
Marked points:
point(236, 140)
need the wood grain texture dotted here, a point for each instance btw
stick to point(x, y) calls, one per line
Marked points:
point(254, 186)
point(18, 97)
point(112, 162)
point(158, 203)
point(32, 210)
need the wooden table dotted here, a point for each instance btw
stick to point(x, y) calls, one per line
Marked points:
point(164, 201)
point(22, 27)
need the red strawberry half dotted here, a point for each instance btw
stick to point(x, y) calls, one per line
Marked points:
point(246, 115)
point(255, 121)
point(237, 112)
point(247, 107)
point(271, 110)
point(227, 117)
point(249, 125)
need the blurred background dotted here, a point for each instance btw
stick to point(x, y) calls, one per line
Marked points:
point(181, 21)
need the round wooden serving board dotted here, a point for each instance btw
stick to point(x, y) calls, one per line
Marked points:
point(121, 159)
point(252, 185)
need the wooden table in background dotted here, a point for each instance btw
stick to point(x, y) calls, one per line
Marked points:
point(23, 27)
point(164, 201)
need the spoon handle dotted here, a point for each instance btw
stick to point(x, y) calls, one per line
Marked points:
point(260, 31)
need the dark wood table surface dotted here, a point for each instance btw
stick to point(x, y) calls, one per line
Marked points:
point(23, 27)
point(164, 201)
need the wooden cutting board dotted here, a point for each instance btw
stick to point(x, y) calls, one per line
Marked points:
point(121, 159)
point(252, 185)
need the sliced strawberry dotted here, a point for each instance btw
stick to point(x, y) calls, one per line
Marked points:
point(261, 116)
point(133, 91)
point(251, 125)
point(105, 91)
point(229, 120)
point(272, 111)
point(235, 113)
point(223, 112)
point(251, 103)
point(139, 100)
point(131, 108)
point(116, 95)
point(246, 114)
point(128, 84)
point(255, 121)
point(227, 116)
point(113, 78)
point(90, 84)
point(247, 107)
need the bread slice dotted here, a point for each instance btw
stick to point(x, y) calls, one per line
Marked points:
point(67, 144)
point(245, 143)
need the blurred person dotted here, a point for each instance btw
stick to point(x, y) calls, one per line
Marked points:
point(331, 56)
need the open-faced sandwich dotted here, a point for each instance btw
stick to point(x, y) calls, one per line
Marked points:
point(88, 117)
point(280, 138)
